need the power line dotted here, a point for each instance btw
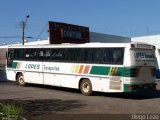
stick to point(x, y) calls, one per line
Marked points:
point(10, 36)
point(41, 32)
point(14, 37)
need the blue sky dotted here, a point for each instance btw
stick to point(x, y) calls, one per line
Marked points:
point(128, 18)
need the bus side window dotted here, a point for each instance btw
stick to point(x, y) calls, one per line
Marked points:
point(40, 54)
point(27, 55)
point(21, 54)
point(58, 54)
point(70, 54)
point(16, 52)
point(79, 55)
point(118, 56)
point(88, 55)
point(33, 54)
point(97, 55)
point(107, 55)
point(47, 54)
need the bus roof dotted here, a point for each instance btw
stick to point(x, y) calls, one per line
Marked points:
point(72, 45)
point(69, 45)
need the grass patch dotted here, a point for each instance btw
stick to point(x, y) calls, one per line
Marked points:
point(11, 112)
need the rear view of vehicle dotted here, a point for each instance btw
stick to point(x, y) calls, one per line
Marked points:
point(139, 70)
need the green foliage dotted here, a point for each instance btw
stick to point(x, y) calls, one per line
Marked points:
point(11, 112)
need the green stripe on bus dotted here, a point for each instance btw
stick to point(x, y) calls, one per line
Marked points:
point(99, 70)
point(131, 72)
point(112, 71)
point(14, 64)
point(120, 71)
point(115, 71)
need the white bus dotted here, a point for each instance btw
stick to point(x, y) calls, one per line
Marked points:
point(104, 67)
point(3, 50)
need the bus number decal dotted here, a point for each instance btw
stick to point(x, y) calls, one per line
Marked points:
point(32, 66)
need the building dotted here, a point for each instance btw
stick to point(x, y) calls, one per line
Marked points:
point(106, 38)
point(152, 39)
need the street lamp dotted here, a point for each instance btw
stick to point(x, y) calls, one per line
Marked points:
point(23, 25)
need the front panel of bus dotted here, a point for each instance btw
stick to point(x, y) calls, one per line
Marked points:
point(139, 72)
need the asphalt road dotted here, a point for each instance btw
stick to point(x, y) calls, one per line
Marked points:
point(52, 103)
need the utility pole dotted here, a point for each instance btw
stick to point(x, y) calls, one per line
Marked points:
point(23, 25)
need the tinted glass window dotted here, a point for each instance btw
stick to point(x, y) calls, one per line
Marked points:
point(113, 55)
point(27, 54)
point(79, 54)
point(40, 54)
point(70, 54)
point(88, 55)
point(47, 54)
point(97, 55)
point(21, 54)
point(58, 54)
point(18, 54)
point(107, 56)
point(118, 55)
point(33, 54)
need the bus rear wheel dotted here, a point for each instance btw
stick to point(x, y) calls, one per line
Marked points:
point(86, 87)
point(20, 79)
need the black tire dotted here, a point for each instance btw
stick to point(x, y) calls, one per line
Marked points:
point(20, 80)
point(86, 87)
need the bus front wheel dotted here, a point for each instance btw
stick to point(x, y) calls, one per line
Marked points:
point(20, 80)
point(86, 87)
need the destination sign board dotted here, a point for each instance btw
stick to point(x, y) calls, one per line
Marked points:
point(67, 33)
